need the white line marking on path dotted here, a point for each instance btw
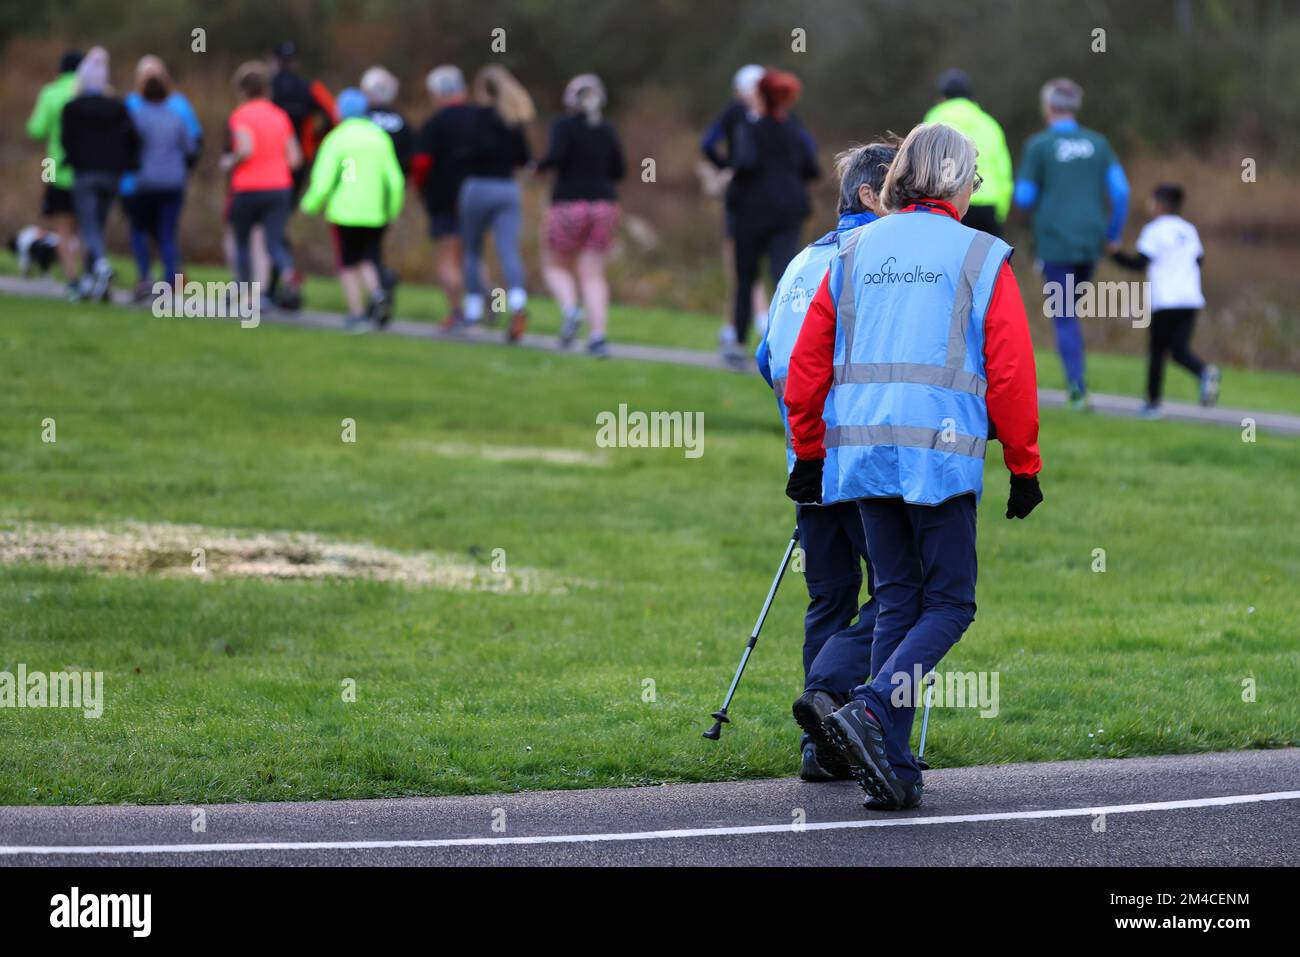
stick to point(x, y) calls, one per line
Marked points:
point(654, 835)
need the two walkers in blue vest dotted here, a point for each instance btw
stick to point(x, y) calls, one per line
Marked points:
point(836, 650)
point(914, 350)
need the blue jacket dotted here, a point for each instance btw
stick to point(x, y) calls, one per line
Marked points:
point(786, 313)
point(906, 415)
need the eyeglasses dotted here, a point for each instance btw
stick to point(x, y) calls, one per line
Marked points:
point(979, 181)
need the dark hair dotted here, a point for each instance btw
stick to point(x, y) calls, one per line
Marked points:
point(1169, 195)
point(154, 90)
point(251, 80)
point(70, 60)
point(954, 83)
point(860, 166)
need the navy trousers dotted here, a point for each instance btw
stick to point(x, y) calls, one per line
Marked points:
point(836, 651)
point(1069, 336)
point(925, 569)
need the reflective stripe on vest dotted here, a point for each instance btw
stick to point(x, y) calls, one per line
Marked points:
point(952, 374)
point(910, 436)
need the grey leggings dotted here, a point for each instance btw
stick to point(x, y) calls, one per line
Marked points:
point(493, 204)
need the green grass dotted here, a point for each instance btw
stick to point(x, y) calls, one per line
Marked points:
point(230, 690)
point(1108, 373)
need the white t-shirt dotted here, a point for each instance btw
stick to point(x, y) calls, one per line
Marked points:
point(1173, 246)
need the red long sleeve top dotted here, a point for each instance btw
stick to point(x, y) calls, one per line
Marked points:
point(1012, 396)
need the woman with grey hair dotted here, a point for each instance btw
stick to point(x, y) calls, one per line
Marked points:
point(437, 171)
point(582, 221)
point(380, 88)
point(917, 348)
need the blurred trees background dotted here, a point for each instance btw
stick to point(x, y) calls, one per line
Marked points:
point(1190, 73)
point(1185, 89)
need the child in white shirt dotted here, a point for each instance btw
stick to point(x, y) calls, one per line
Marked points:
point(1170, 251)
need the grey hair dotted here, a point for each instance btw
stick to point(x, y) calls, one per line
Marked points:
point(860, 166)
point(585, 94)
point(1061, 95)
point(445, 81)
point(379, 86)
point(934, 162)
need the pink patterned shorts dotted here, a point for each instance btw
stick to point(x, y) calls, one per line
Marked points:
point(579, 225)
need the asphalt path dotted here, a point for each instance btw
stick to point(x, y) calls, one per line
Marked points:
point(1233, 809)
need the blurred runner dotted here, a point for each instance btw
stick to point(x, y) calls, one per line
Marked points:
point(100, 143)
point(1068, 174)
point(45, 124)
point(582, 222)
point(312, 113)
point(490, 199)
point(170, 138)
point(358, 182)
point(989, 207)
point(438, 169)
point(380, 88)
point(718, 146)
point(1169, 250)
point(263, 153)
point(773, 159)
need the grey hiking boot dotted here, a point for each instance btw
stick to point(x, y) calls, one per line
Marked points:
point(810, 710)
point(861, 739)
point(809, 767)
point(911, 799)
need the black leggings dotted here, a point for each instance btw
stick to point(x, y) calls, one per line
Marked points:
point(270, 208)
point(780, 245)
point(1171, 333)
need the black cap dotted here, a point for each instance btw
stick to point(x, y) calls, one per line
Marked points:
point(954, 83)
point(286, 50)
point(70, 60)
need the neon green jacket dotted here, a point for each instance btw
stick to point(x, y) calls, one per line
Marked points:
point(356, 176)
point(994, 161)
point(44, 123)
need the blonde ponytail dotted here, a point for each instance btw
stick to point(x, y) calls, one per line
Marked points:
point(495, 86)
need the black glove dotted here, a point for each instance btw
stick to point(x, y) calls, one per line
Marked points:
point(1025, 495)
point(805, 485)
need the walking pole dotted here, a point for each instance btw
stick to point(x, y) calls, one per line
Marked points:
point(720, 715)
point(925, 722)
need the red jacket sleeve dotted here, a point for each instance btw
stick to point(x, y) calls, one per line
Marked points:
point(421, 166)
point(812, 372)
point(1012, 396)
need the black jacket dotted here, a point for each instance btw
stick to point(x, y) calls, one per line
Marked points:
point(588, 160)
point(773, 161)
point(98, 135)
point(494, 150)
point(445, 140)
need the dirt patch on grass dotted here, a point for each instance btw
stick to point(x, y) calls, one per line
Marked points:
point(135, 548)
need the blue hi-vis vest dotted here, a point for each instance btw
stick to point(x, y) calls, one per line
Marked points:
point(906, 415)
point(785, 316)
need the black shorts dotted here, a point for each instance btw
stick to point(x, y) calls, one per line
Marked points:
point(56, 201)
point(443, 222)
point(358, 244)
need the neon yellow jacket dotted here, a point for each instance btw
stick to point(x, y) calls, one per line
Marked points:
point(965, 116)
point(44, 124)
point(356, 177)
